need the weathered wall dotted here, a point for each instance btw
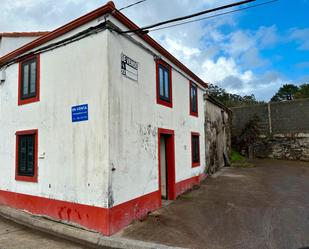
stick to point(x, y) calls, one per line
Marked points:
point(290, 116)
point(284, 128)
point(241, 115)
point(73, 157)
point(97, 173)
point(291, 146)
point(217, 136)
point(135, 118)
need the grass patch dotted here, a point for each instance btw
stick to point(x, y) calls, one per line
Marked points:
point(239, 161)
point(236, 157)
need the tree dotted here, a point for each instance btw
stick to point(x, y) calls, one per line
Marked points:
point(231, 100)
point(284, 92)
point(303, 92)
point(295, 92)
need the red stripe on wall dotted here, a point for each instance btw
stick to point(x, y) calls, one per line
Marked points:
point(104, 220)
point(123, 214)
point(184, 185)
point(88, 216)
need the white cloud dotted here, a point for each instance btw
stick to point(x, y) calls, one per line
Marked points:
point(34, 15)
point(177, 48)
point(238, 42)
point(245, 46)
point(217, 71)
point(301, 37)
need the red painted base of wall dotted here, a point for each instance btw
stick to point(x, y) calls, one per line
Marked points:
point(88, 216)
point(104, 220)
point(123, 214)
point(184, 185)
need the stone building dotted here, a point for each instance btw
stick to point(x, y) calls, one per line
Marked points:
point(217, 134)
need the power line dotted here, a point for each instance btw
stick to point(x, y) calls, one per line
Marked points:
point(131, 5)
point(188, 16)
point(220, 14)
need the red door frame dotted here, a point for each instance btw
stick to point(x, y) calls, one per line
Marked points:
point(170, 158)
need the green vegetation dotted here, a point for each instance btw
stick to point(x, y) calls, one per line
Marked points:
point(295, 92)
point(248, 136)
point(231, 100)
point(239, 161)
point(234, 100)
point(236, 157)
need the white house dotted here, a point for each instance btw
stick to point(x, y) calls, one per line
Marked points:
point(11, 41)
point(97, 127)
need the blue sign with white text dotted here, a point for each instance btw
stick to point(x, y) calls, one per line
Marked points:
point(80, 113)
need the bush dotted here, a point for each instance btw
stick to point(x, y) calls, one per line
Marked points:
point(236, 157)
point(249, 135)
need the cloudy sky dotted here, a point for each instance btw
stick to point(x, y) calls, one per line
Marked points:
point(252, 51)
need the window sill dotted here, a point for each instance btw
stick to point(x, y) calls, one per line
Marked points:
point(194, 165)
point(28, 101)
point(165, 103)
point(26, 178)
point(194, 114)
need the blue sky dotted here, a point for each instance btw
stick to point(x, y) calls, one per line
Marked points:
point(249, 52)
point(289, 55)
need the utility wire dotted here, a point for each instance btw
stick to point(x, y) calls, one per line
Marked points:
point(188, 16)
point(220, 14)
point(131, 5)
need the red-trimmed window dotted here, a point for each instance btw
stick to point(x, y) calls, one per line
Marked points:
point(195, 147)
point(27, 156)
point(164, 84)
point(29, 80)
point(193, 100)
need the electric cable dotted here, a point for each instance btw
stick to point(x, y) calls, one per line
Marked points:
point(216, 15)
point(131, 5)
point(188, 16)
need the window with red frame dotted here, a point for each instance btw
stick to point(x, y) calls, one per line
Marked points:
point(26, 155)
point(193, 100)
point(29, 80)
point(195, 140)
point(164, 84)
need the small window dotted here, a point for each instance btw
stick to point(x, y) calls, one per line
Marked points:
point(29, 81)
point(26, 156)
point(195, 140)
point(193, 100)
point(222, 116)
point(164, 84)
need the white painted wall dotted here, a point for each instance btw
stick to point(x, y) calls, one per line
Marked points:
point(76, 154)
point(134, 119)
point(9, 44)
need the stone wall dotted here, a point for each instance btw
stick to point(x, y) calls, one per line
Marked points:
point(284, 128)
point(288, 146)
point(217, 134)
